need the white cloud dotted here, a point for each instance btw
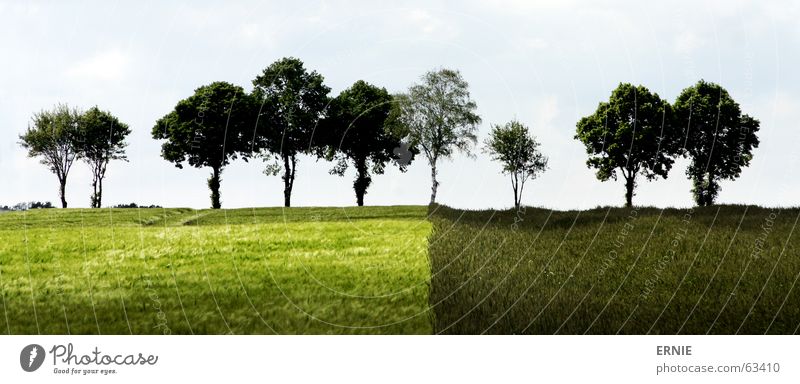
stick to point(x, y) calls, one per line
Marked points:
point(431, 25)
point(545, 112)
point(109, 65)
point(687, 42)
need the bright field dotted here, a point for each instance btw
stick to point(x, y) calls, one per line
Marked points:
point(246, 271)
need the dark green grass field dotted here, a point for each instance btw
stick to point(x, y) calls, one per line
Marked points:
point(399, 270)
point(717, 270)
point(244, 271)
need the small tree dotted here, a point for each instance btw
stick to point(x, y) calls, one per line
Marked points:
point(719, 138)
point(356, 131)
point(208, 129)
point(102, 140)
point(513, 146)
point(293, 101)
point(632, 134)
point(54, 137)
point(439, 117)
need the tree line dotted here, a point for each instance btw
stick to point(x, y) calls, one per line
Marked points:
point(289, 112)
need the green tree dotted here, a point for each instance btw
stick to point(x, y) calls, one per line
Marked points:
point(630, 134)
point(513, 146)
point(439, 118)
point(293, 102)
point(53, 137)
point(209, 129)
point(356, 132)
point(102, 140)
point(719, 138)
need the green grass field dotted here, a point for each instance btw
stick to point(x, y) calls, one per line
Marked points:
point(718, 270)
point(400, 270)
point(244, 271)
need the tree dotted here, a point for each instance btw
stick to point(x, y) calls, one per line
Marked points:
point(53, 136)
point(293, 101)
point(102, 140)
point(518, 151)
point(719, 138)
point(439, 117)
point(356, 131)
point(208, 129)
point(632, 134)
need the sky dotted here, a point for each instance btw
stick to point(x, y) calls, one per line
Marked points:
point(546, 63)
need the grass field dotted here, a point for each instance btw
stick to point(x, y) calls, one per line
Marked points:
point(245, 271)
point(400, 270)
point(718, 270)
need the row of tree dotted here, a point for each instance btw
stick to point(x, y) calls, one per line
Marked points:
point(62, 135)
point(637, 133)
point(289, 113)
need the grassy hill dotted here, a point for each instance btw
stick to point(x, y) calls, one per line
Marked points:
point(183, 271)
point(400, 270)
point(718, 270)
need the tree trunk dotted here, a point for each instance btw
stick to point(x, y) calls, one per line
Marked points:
point(62, 193)
point(99, 192)
point(630, 184)
point(434, 183)
point(289, 164)
point(213, 184)
point(362, 182)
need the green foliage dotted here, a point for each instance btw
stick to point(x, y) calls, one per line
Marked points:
point(53, 136)
point(245, 271)
point(513, 146)
point(615, 270)
point(293, 101)
point(209, 129)
point(719, 138)
point(439, 117)
point(632, 134)
point(355, 131)
point(102, 139)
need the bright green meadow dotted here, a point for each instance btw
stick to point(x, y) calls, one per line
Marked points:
point(243, 271)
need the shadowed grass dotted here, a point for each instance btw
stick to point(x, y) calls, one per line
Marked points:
point(718, 270)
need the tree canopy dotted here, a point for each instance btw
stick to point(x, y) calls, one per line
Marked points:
point(293, 101)
point(518, 151)
point(439, 118)
point(209, 129)
point(630, 134)
point(355, 131)
point(53, 136)
point(102, 139)
point(719, 138)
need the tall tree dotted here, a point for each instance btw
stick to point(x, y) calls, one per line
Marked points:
point(512, 145)
point(102, 140)
point(293, 101)
point(53, 136)
point(209, 129)
point(356, 132)
point(719, 138)
point(439, 117)
point(630, 134)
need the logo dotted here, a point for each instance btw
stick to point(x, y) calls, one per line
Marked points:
point(31, 357)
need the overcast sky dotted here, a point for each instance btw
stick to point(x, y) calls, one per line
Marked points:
point(546, 63)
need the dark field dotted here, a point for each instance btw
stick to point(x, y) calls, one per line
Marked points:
point(716, 270)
